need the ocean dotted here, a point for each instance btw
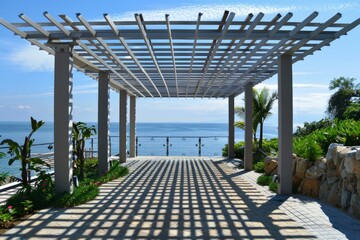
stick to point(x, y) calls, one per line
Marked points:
point(154, 139)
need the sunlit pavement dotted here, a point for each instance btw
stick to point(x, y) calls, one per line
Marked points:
point(189, 198)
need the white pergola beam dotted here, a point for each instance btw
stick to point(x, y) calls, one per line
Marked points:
point(172, 52)
point(214, 50)
point(150, 49)
point(193, 51)
point(129, 51)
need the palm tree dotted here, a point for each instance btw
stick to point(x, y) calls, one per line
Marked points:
point(262, 104)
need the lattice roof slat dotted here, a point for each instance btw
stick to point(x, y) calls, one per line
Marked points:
point(182, 58)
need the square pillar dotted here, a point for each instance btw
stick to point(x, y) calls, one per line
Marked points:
point(132, 126)
point(285, 90)
point(103, 122)
point(248, 150)
point(231, 138)
point(122, 127)
point(63, 107)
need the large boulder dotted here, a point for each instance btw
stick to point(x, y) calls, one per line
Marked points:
point(345, 199)
point(301, 166)
point(354, 208)
point(310, 187)
point(334, 196)
point(350, 182)
point(271, 166)
point(324, 190)
point(314, 172)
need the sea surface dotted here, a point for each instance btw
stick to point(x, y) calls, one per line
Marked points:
point(154, 139)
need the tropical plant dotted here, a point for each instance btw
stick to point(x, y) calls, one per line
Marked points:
point(352, 112)
point(259, 167)
point(80, 133)
point(4, 177)
point(262, 104)
point(22, 153)
point(307, 148)
point(311, 127)
point(346, 92)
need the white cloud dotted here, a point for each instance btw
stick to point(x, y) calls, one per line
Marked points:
point(23, 107)
point(274, 87)
point(211, 11)
point(30, 58)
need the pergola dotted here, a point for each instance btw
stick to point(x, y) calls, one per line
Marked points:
point(160, 59)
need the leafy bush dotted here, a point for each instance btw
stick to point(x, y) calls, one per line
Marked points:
point(273, 186)
point(42, 194)
point(308, 128)
point(91, 165)
point(86, 191)
point(270, 146)
point(307, 148)
point(6, 216)
point(259, 167)
point(264, 180)
point(238, 150)
point(4, 177)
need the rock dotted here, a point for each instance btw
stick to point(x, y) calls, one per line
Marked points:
point(314, 172)
point(345, 199)
point(296, 182)
point(321, 163)
point(270, 166)
point(349, 161)
point(331, 153)
point(354, 208)
point(324, 190)
point(350, 183)
point(331, 176)
point(357, 156)
point(310, 187)
point(301, 166)
point(358, 185)
point(340, 155)
point(334, 196)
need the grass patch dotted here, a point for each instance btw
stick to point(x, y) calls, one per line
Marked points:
point(259, 167)
point(42, 194)
point(264, 180)
point(273, 186)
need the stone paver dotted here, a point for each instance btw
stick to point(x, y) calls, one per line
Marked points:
point(321, 219)
point(173, 198)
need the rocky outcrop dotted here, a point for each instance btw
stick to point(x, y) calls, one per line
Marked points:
point(341, 183)
point(334, 179)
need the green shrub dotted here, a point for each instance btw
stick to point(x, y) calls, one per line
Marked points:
point(259, 167)
point(307, 148)
point(273, 186)
point(91, 165)
point(85, 192)
point(4, 177)
point(270, 146)
point(238, 150)
point(264, 180)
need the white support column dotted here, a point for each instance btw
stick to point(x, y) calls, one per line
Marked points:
point(122, 127)
point(103, 122)
point(63, 107)
point(285, 124)
point(248, 155)
point(231, 138)
point(132, 126)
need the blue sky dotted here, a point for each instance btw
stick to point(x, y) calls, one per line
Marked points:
point(26, 74)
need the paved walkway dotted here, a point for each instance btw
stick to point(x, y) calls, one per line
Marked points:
point(188, 198)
